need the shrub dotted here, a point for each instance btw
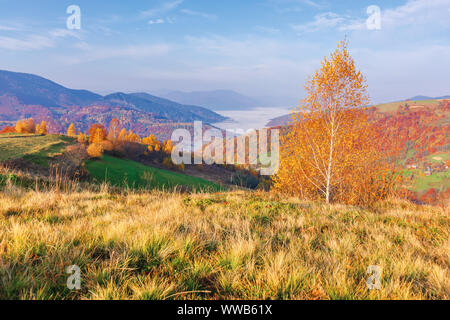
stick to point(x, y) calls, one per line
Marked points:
point(245, 180)
point(95, 150)
point(107, 145)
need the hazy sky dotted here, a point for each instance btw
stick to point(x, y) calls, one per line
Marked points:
point(257, 47)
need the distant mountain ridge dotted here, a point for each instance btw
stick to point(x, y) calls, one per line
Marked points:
point(27, 95)
point(287, 119)
point(218, 100)
point(33, 89)
point(428, 98)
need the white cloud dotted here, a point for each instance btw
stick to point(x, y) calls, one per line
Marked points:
point(162, 9)
point(268, 30)
point(36, 41)
point(29, 43)
point(311, 3)
point(96, 53)
point(321, 21)
point(63, 33)
point(418, 12)
point(412, 13)
point(288, 6)
point(156, 21)
point(199, 14)
point(8, 28)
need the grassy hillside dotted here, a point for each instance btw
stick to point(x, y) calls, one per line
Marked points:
point(438, 181)
point(36, 148)
point(392, 107)
point(117, 172)
point(124, 172)
point(236, 245)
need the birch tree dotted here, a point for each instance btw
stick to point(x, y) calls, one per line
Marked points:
point(328, 135)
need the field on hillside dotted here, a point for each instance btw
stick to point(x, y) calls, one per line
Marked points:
point(127, 173)
point(40, 150)
point(392, 107)
point(235, 245)
point(438, 181)
point(36, 148)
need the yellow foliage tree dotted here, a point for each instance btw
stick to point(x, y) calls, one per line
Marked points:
point(329, 152)
point(113, 131)
point(107, 145)
point(42, 128)
point(26, 126)
point(152, 143)
point(168, 147)
point(82, 138)
point(122, 135)
point(99, 136)
point(132, 137)
point(95, 150)
point(71, 131)
point(94, 133)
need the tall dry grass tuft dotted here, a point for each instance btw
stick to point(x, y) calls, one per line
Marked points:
point(235, 245)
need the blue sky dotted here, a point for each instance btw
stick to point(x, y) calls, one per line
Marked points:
point(262, 48)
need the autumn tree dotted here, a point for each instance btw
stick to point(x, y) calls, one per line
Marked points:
point(71, 131)
point(132, 137)
point(95, 150)
point(98, 136)
point(168, 147)
point(82, 138)
point(107, 145)
point(93, 131)
point(113, 131)
point(329, 151)
point(42, 128)
point(8, 129)
point(122, 135)
point(26, 126)
point(152, 143)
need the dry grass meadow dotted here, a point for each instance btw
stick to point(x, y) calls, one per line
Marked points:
point(233, 245)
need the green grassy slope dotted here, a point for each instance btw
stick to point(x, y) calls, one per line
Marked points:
point(35, 148)
point(439, 181)
point(124, 172)
point(118, 172)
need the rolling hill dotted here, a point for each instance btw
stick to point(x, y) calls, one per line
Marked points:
point(128, 173)
point(33, 155)
point(25, 95)
point(420, 97)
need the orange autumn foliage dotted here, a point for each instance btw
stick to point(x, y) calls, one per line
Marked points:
point(113, 131)
point(10, 129)
point(26, 126)
point(95, 150)
point(71, 131)
point(152, 143)
point(168, 146)
point(42, 128)
point(101, 135)
point(107, 145)
point(330, 152)
point(82, 138)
